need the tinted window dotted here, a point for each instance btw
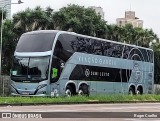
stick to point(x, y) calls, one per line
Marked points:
point(39, 42)
point(112, 49)
point(83, 44)
point(68, 44)
point(150, 54)
point(106, 48)
point(94, 73)
point(126, 52)
point(64, 47)
point(132, 53)
point(117, 50)
point(97, 48)
point(145, 55)
point(55, 69)
point(138, 54)
point(31, 69)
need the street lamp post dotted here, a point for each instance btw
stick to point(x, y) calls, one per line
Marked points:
point(19, 2)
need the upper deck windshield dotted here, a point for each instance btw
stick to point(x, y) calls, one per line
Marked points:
point(35, 42)
point(30, 69)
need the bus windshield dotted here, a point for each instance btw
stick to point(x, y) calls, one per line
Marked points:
point(35, 42)
point(30, 69)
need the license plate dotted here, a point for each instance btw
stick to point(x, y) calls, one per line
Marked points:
point(25, 93)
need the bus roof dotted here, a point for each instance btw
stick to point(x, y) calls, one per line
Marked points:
point(73, 33)
point(41, 31)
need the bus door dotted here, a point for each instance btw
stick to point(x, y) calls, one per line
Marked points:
point(54, 75)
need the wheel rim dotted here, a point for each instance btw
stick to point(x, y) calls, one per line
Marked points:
point(138, 92)
point(80, 92)
point(68, 93)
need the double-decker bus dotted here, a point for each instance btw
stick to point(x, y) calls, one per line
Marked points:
point(53, 63)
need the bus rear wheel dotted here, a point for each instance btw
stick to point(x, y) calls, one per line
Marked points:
point(131, 91)
point(83, 90)
point(68, 91)
point(139, 90)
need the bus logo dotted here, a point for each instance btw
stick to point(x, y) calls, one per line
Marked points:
point(87, 72)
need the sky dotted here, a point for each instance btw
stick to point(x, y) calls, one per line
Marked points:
point(146, 10)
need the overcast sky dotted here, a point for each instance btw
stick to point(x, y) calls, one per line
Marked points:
point(146, 10)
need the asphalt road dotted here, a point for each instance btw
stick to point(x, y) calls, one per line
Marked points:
point(83, 112)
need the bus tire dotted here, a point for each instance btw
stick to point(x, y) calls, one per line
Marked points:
point(139, 90)
point(69, 91)
point(83, 90)
point(131, 91)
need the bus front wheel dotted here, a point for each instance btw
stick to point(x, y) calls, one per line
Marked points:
point(68, 91)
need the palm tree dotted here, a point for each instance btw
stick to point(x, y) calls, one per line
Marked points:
point(22, 21)
point(30, 20)
point(113, 32)
point(49, 12)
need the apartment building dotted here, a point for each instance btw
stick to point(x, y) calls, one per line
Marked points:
point(99, 10)
point(129, 18)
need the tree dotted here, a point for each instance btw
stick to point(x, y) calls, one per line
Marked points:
point(114, 33)
point(80, 20)
point(71, 18)
point(8, 48)
point(131, 35)
point(30, 20)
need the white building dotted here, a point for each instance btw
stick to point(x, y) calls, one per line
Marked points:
point(7, 8)
point(130, 18)
point(98, 10)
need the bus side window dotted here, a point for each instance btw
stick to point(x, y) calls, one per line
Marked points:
point(54, 73)
point(55, 69)
point(106, 47)
point(97, 47)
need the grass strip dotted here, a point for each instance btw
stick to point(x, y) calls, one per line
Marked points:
point(80, 99)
